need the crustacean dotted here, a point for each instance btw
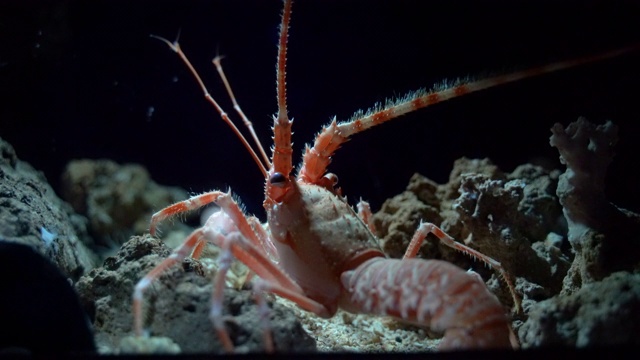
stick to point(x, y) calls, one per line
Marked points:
point(317, 251)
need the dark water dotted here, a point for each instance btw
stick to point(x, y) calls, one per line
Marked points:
point(84, 80)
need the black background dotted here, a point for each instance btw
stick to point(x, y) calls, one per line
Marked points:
point(77, 80)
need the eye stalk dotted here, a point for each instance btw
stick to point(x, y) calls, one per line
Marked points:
point(333, 178)
point(278, 179)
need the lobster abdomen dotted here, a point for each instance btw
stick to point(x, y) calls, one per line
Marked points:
point(429, 292)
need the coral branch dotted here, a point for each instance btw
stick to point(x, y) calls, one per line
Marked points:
point(601, 234)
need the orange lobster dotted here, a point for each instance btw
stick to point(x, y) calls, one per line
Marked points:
point(320, 253)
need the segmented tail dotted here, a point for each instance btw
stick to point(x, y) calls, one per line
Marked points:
point(434, 293)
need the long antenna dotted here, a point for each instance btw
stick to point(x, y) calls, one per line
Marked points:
point(175, 46)
point(317, 157)
point(282, 150)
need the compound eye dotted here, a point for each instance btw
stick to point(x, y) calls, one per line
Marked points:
point(278, 179)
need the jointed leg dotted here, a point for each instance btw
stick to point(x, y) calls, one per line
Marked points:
point(254, 255)
point(364, 212)
point(236, 235)
point(260, 288)
point(197, 251)
point(426, 228)
point(193, 241)
point(265, 240)
point(194, 202)
point(215, 314)
point(250, 228)
point(235, 244)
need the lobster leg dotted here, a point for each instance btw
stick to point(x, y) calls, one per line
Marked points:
point(272, 280)
point(250, 226)
point(192, 203)
point(179, 254)
point(265, 240)
point(260, 287)
point(364, 213)
point(215, 314)
point(238, 236)
point(425, 229)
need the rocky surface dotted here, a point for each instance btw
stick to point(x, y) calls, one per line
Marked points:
point(32, 214)
point(598, 304)
point(600, 233)
point(177, 307)
point(508, 217)
point(605, 312)
point(117, 199)
point(573, 255)
point(555, 233)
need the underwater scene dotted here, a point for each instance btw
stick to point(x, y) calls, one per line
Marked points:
point(478, 188)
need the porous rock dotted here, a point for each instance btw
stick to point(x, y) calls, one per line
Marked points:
point(601, 313)
point(32, 214)
point(117, 199)
point(177, 307)
point(601, 234)
point(499, 214)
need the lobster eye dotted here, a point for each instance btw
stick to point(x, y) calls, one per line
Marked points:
point(277, 179)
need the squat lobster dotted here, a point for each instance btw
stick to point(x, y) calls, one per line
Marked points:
point(317, 251)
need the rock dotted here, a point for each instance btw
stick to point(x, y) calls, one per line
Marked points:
point(32, 214)
point(600, 233)
point(117, 199)
point(177, 306)
point(505, 216)
point(556, 233)
point(602, 313)
point(40, 312)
